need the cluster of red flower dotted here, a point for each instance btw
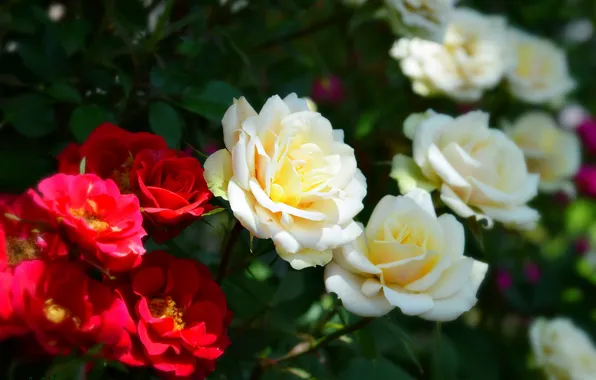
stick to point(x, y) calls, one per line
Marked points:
point(145, 309)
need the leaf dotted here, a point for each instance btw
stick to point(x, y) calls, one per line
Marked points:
point(20, 169)
point(291, 286)
point(213, 212)
point(408, 175)
point(445, 360)
point(366, 123)
point(73, 33)
point(366, 341)
point(360, 368)
point(85, 119)
point(82, 165)
point(31, 115)
point(413, 121)
point(64, 92)
point(211, 101)
point(166, 122)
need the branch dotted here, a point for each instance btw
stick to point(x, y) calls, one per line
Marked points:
point(300, 33)
point(318, 344)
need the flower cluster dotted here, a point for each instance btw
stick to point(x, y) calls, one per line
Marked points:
point(475, 53)
point(289, 176)
point(74, 272)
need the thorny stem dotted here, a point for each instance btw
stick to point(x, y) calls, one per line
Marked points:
point(296, 353)
point(227, 251)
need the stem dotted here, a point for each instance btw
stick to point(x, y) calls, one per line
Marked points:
point(320, 343)
point(227, 251)
point(300, 33)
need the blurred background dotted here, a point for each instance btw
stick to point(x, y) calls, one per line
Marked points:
point(173, 68)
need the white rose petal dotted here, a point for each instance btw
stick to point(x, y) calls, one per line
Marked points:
point(409, 259)
point(471, 58)
point(427, 19)
point(540, 74)
point(290, 178)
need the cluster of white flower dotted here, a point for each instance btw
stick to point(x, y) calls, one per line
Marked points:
point(290, 177)
point(461, 53)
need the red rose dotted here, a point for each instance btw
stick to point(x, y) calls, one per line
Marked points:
point(109, 152)
point(27, 232)
point(171, 189)
point(96, 217)
point(182, 316)
point(10, 323)
point(66, 309)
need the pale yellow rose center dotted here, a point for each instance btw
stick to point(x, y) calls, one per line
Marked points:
point(401, 241)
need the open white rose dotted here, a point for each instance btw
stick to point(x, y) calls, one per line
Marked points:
point(407, 258)
point(550, 151)
point(471, 58)
point(290, 177)
point(540, 74)
point(479, 171)
point(426, 19)
point(562, 350)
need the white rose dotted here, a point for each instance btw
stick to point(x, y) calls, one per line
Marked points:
point(553, 153)
point(407, 258)
point(472, 57)
point(290, 177)
point(422, 18)
point(480, 172)
point(540, 74)
point(562, 350)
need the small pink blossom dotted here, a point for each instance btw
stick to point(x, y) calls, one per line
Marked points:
point(328, 89)
point(585, 180)
point(581, 246)
point(504, 280)
point(587, 132)
point(532, 272)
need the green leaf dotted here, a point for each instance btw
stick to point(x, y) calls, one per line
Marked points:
point(73, 33)
point(291, 286)
point(85, 119)
point(408, 175)
point(366, 341)
point(360, 368)
point(211, 101)
point(367, 123)
point(166, 122)
point(31, 115)
point(82, 165)
point(445, 360)
point(64, 92)
point(213, 212)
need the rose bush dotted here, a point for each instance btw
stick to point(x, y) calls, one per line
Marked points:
point(138, 241)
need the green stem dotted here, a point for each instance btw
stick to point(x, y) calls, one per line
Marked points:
point(320, 343)
point(227, 251)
